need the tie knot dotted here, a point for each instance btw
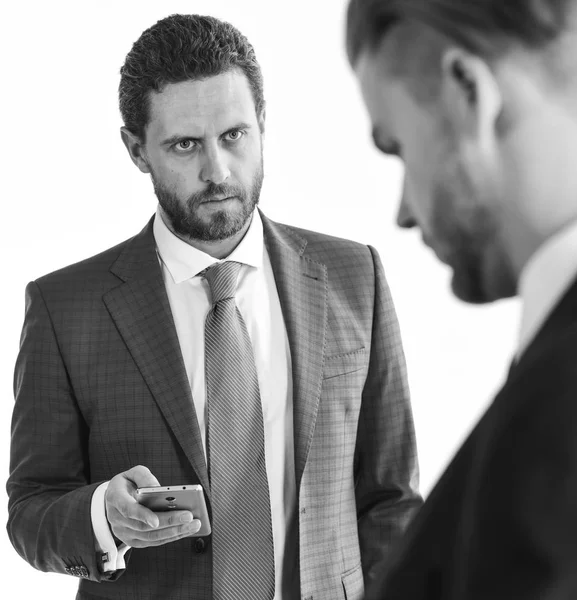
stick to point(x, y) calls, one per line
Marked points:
point(222, 278)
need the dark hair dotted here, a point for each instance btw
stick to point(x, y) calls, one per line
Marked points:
point(485, 27)
point(180, 48)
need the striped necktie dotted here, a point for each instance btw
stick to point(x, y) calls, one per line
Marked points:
point(243, 556)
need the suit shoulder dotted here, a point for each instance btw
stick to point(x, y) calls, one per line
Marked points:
point(538, 399)
point(89, 269)
point(328, 247)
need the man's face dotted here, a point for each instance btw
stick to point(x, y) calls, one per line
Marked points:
point(204, 152)
point(449, 192)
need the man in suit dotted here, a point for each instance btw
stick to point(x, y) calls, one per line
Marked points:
point(479, 99)
point(216, 347)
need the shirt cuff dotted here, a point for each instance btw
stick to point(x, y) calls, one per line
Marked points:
point(112, 557)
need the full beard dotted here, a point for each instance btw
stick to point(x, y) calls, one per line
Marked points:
point(222, 224)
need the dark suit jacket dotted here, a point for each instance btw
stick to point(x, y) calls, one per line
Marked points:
point(101, 386)
point(502, 521)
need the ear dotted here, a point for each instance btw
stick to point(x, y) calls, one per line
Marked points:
point(261, 120)
point(471, 94)
point(135, 148)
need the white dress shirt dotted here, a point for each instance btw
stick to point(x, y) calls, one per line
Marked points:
point(259, 304)
point(545, 278)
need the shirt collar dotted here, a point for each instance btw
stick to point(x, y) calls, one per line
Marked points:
point(545, 279)
point(183, 261)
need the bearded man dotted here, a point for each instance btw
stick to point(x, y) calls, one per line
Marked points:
point(216, 347)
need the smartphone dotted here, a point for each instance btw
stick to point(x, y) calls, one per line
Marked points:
point(177, 497)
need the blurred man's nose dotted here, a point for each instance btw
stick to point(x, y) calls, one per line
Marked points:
point(215, 168)
point(405, 218)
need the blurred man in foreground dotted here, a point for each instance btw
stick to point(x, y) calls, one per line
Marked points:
point(479, 99)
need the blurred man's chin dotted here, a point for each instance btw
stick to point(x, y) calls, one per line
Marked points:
point(467, 285)
point(470, 286)
point(467, 294)
point(482, 277)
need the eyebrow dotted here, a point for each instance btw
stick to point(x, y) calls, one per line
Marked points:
point(174, 139)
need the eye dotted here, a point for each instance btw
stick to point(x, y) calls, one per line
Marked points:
point(184, 145)
point(234, 135)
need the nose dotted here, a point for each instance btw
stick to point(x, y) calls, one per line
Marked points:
point(405, 218)
point(215, 168)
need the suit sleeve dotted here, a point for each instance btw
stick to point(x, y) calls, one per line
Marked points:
point(386, 468)
point(49, 522)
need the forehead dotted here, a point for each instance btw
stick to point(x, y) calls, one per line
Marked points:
point(384, 95)
point(202, 104)
point(389, 97)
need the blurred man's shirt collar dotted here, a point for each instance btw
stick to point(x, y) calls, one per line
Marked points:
point(544, 280)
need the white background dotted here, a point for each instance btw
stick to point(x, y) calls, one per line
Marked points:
point(69, 190)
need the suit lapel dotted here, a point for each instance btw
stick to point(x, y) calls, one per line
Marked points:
point(142, 314)
point(302, 289)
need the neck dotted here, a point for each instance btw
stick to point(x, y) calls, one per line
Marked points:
point(524, 236)
point(537, 157)
point(218, 248)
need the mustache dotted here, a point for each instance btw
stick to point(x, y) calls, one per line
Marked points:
point(216, 190)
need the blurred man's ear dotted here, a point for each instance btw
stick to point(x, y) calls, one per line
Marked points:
point(471, 94)
point(135, 148)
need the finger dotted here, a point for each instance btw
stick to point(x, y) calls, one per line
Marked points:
point(165, 536)
point(143, 539)
point(165, 519)
point(122, 506)
point(129, 518)
point(134, 511)
point(171, 518)
point(157, 520)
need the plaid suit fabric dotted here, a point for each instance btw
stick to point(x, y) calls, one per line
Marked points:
point(101, 387)
point(354, 437)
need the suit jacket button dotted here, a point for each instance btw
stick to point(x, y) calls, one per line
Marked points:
point(199, 545)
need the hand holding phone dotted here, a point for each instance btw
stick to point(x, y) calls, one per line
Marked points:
point(175, 498)
point(135, 524)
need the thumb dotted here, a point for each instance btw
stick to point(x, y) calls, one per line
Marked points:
point(141, 476)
